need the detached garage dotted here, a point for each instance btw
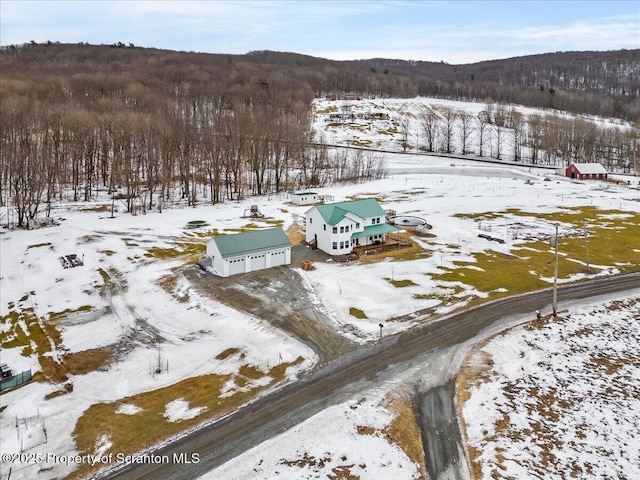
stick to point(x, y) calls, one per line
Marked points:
point(250, 251)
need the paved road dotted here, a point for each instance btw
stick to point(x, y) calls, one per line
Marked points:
point(274, 413)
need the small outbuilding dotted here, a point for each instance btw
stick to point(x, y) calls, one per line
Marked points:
point(586, 171)
point(248, 252)
point(304, 198)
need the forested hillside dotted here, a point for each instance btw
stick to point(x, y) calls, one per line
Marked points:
point(154, 127)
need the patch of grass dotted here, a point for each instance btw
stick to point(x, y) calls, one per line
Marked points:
point(356, 312)
point(295, 234)
point(479, 216)
point(500, 272)
point(227, 353)
point(613, 237)
point(401, 283)
point(414, 252)
point(404, 432)
point(444, 294)
point(80, 363)
point(326, 111)
point(251, 372)
point(38, 245)
point(213, 232)
point(96, 208)
point(276, 223)
point(131, 433)
point(169, 283)
point(54, 316)
point(360, 143)
point(66, 388)
point(38, 338)
point(106, 278)
point(191, 251)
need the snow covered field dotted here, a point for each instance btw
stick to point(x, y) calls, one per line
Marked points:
point(558, 399)
point(119, 301)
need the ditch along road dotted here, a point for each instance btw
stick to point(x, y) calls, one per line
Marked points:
point(272, 414)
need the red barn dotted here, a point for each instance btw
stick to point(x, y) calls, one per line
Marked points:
point(586, 171)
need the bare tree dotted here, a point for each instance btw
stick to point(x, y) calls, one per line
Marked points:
point(465, 127)
point(429, 122)
point(482, 122)
point(447, 129)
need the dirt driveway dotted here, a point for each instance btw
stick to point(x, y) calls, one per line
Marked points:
point(278, 296)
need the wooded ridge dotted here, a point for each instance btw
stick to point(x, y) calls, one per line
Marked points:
point(155, 127)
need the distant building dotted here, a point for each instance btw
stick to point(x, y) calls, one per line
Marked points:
point(304, 198)
point(586, 171)
point(336, 228)
point(343, 96)
point(247, 252)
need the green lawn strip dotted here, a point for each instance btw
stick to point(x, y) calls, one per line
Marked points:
point(132, 433)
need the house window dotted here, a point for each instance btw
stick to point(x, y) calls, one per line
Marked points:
point(325, 227)
point(357, 224)
point(335, 229)
point(334, 245)
point(310, 220)
point(341, 229)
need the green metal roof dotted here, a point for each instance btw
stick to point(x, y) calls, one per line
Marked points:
point(333, 213)
point(250, 242)
point(378, 229)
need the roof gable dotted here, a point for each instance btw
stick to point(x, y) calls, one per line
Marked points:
point(249, 242)
point(333, 213)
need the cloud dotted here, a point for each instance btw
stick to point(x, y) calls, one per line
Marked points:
point(331, 29)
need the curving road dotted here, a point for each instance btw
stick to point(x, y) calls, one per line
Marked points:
point(272, 414)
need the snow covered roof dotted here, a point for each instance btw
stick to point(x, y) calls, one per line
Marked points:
point(590, 168)
point(333, 213)
point(250, 242)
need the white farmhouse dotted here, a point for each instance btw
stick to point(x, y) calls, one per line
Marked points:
point(250, 251)
point(336, 228)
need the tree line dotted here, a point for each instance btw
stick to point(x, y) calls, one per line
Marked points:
point(504, 133)
point(152, 127)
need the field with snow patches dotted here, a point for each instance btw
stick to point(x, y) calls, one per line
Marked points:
point(124, 341)
point(557, 399)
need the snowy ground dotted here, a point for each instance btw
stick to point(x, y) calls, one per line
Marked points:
point(352, 442)
point(188, 332)
point(389, 123)
point(558, 399)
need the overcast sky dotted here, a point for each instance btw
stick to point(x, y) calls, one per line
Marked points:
point(452, 31)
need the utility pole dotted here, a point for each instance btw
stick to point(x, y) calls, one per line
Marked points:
point(586, 242)
point(506, 226)
point(555, 278)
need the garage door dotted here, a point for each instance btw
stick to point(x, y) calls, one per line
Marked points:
point(236, 265)
point(278, 258)
point(258, 261)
